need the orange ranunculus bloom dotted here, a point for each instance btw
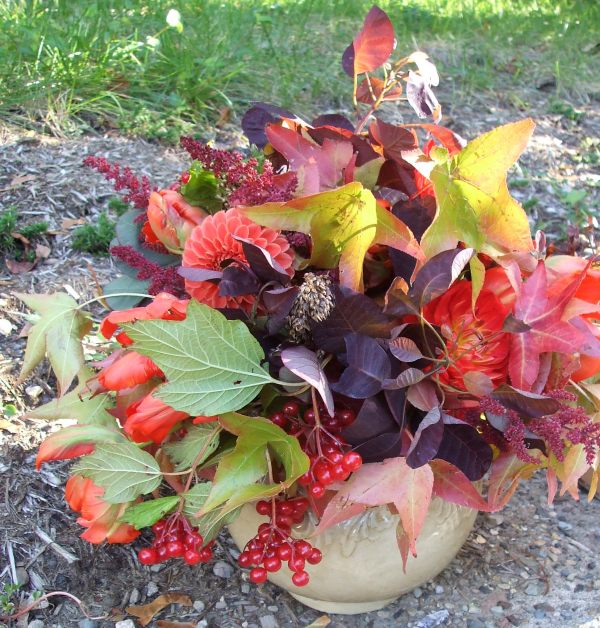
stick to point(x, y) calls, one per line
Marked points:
point(127, 371)
point(150, 419)
point(171, 219)
point(475, 341)
point(164, 307)
point(562, 271)
point(99, 517)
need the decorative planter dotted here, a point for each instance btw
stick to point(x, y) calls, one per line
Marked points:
point(361, 569)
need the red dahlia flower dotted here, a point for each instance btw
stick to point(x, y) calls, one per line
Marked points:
point(99, 517)
point(128, 370)
point(164, 307)
point(171, 219)
point(475, 341)
point(212, 243)
point(150, 419)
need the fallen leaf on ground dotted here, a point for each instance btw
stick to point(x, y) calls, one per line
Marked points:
point(165, 623)
point(21, 179)
point(322, 621)
point(18, 268)
point(8, 426)
point(42, 251)
point(146, 612)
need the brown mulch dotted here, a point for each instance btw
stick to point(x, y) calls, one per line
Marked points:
point(530, 565)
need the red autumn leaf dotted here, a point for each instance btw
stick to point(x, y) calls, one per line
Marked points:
point(506, 473)
point(543, 314)
point(393, 482)
point(394, 140)
point(452, 485)
point(452, 142)
point(372, 46)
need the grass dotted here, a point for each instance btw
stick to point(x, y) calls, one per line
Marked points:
point(117, 63)
point(94, 238)
point(9, 227)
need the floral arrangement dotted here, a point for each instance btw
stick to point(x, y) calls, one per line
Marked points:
point(357, 317)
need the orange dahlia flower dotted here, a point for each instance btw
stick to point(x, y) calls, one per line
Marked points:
point(474, 339)
point(212, 244)
point(99, 517)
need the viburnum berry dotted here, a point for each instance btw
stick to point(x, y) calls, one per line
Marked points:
point(175, 537)
point(258, 575)
point(300, 578)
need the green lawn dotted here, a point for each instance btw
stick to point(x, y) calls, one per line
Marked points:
point(74, 63)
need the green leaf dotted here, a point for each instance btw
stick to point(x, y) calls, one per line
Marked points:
point(78, 405)
point(474, 205)
point(123, 470)
point(202, 189)
point(212, 365)
point(240, 474)
point(145, 514)
point(57, 333)
point(210, 524)
point(343, 224)
point(200, 438)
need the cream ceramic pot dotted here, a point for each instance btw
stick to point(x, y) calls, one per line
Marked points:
point(361, 569)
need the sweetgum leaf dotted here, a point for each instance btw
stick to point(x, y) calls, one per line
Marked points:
point(199, 438)
point(123, 470)
point(212, 365)
point(238, 476)
point(78, 405)
point(57, 333)
point(452, 485)
point(474, 204)
point(304, 363)
point(343, 224)
point(145, 514)
point(372, 46)
point(368, 367)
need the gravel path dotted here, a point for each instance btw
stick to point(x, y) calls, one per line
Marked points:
point(530, 565)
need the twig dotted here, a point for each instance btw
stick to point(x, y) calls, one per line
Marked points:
point(55, 547)
point(39, 600)
point(11, 559)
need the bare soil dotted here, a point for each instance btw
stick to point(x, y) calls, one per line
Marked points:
point(531, 565)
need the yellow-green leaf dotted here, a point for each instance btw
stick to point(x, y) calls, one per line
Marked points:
point(474, 205)
point(57, 333)
point(343, 224)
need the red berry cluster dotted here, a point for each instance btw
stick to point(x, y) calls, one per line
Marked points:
point(329, 459)
point(272, 546)
point(176, 538)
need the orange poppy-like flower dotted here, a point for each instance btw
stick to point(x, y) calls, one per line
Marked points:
point(563, 270)
point(212, 244)
point(474, 339)
point(150, 419)
point(171, 219)
point(164, 307)
point(99, 517)
point(128, 370)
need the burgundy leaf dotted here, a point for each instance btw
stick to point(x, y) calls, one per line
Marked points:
point(407, 378)
point(200, 274)
point(371, 88)
point(237, 281)
point(373, 418)
point(405, 349)
point(379, 448)
point(372, 46)
point(368, 366)
point(262, 263)
point(336, 120)
point(463, 447)
point(478, 384)
point(397, 302)
point(278, 302)
point(525, 403)
point(422, 395)
point(396, 400)
point(256, 119)
point(514, 325)
point(353, 312)
point(426, 440)
point(393, 139)
point(304, 363)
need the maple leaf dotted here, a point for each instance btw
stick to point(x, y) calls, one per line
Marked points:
point(57, 333)
point(343, 224)
point(474, 205)
point(547, 332)
point(389, 482)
